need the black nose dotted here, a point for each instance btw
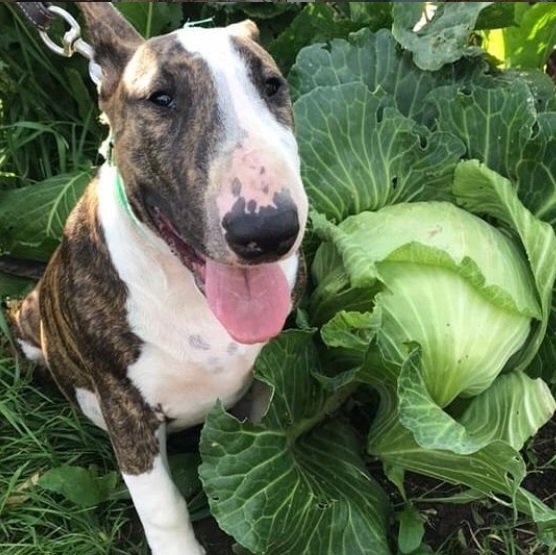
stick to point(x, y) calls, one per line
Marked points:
point(259, 235)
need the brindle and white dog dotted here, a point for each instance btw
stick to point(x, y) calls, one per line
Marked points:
point(179, 261)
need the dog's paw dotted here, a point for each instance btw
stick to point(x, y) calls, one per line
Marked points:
point(179, 548)
point(198, 550)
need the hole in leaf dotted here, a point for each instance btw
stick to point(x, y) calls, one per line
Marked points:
point(535, 130)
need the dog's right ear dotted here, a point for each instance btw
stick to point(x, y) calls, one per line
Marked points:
point(113, 39)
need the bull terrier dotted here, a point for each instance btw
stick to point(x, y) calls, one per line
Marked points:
point(182, 257)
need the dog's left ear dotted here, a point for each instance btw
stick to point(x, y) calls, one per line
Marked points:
point(113, 39)
point(246, 29)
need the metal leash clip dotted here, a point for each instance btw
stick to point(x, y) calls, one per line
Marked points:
point(72, 43)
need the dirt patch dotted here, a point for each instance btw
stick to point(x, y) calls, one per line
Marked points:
point(472, 528)
point(213, 539)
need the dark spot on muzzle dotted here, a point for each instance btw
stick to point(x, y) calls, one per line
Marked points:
point(262, 235)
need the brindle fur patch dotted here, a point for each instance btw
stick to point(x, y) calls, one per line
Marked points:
point(86, 338)
point(131, 424)
point(25, 318)
point(114, 41)
point(261, 67)
point(300, 281)
point(172, 159)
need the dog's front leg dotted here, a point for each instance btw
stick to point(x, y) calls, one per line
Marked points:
point(138, 435)
point(161, 508)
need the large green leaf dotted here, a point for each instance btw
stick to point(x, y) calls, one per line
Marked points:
point(536, 169)
point(495, 124)
point(410, 434)
point(375, 60)
point(530, 43)
point(431, 426)
point(81, 486)
point(511, 410)
point(544, 364)
point(359, 155)
point(289, 486)
point(32, 219)
point(536, 178)
point(484, 192)
point(440, 39)
point(496, 470)
point(500, 127)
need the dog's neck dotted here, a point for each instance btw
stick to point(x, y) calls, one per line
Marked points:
point(106, 150)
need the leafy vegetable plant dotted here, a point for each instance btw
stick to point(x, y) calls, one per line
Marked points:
point(432, 264)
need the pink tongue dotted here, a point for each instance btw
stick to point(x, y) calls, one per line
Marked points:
point(251, 303)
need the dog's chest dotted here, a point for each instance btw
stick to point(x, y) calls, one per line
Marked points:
point(187, 359)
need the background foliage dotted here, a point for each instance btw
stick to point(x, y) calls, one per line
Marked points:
point(376, 104)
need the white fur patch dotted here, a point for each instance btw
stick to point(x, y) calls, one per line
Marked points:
point(247, 119)
point(162, 509)
point(88, 403)
point(167, 311)
point(31, 352)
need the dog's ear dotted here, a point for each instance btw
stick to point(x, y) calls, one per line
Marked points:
point(246, 29)
point(113, 39)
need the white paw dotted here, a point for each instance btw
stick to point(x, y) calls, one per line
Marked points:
point(179, 548)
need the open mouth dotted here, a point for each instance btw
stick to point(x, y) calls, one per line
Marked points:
point(251, 302)
point(192, 259)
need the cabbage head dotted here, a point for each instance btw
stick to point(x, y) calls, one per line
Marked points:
point(450, 282)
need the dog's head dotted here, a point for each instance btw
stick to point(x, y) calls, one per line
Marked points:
point(203, 138)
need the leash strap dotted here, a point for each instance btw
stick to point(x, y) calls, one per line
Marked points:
point(37, 13)
point(42, 14)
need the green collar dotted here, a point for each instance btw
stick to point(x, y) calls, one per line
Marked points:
point(122, 198)
point(118, 184)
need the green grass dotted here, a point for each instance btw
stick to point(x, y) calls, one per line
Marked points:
point(38, 432)
point(489, 532)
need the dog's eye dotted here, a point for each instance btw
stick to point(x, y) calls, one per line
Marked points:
point(162, 98)
point(271, 86)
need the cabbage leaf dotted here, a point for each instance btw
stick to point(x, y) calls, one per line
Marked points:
point(282, 487)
